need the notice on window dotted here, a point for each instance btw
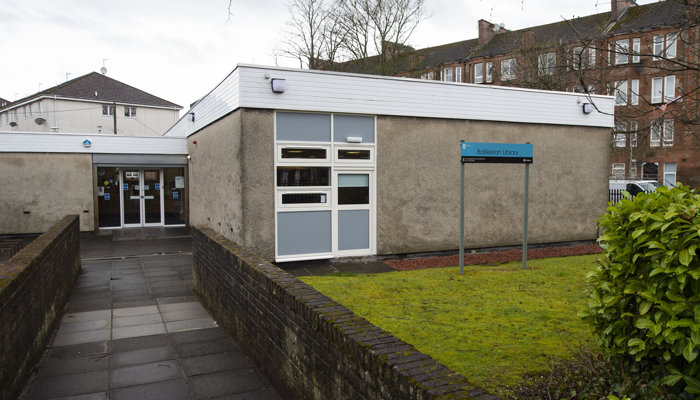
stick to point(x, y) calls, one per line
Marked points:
point(175, 195)
point(100, 190)
point(179, 182)
point(106, 196)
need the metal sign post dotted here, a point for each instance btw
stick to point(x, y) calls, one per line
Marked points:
point(501, 153)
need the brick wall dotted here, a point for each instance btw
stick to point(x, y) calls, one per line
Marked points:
point(34, 287)
point(310, 346)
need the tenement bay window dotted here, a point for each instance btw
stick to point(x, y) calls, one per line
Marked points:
point(621, 93)
point(663, 89)
point(664, 46)
point(546, 63)
point(508, 69)
point(620, 136)
point(479, 73)
point(447, 76)
point(489, 72)
point(668, 133)
point(622, 48)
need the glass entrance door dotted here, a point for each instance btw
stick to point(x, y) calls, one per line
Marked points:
point(141, 197)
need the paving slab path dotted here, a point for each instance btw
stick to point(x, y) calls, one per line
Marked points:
point(133, 329)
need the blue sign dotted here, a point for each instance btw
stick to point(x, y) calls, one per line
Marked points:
point(87, 143)
point(157, 186)
point(175, 194)
point(106, 196)
point(126, 186)
point(509, 153)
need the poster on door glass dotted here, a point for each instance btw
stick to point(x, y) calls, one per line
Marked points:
point(179, 182)
point(150, 175)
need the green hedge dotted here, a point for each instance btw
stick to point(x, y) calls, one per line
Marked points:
point(644, 304)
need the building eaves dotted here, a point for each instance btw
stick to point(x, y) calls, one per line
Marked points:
point(100, 88)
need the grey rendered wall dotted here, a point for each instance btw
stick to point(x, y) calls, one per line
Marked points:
point(49, 186)
point(418, 184)
point(231, 179)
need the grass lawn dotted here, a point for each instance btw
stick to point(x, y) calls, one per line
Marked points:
point(493, 324)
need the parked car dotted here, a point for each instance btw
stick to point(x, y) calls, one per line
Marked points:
point(634, 187)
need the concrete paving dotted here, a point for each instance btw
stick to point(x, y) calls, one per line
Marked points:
point(133, 329)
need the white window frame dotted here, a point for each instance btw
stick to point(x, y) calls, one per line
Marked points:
point(634, 92)
point(130, 112)
point(326, 190)
point(669, 88)
point(667, 133)
point(658, 47)
point(622, 49)
point(620, 136)
point(447, 76)
point(618, 170)
point(670, 170)
point(546, 63)
point(634, 129)
point(108, 110)
point(489, 72)
point(508, 69)
point(479, 73)
point(29, 107)
point(636, 49)
point(591, 56)
point(24, 111)
point(346, 162)
point(458, 74)
point(38, 106)
point(657, 90)
point(302, 161)
point(431, 75)
point(655, 134)
point(577, 57)
point(621, 93)
point(671, 40)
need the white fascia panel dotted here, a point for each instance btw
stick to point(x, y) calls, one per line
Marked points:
point(223, 99)
point(249, 86)
point(365, 94)
point(12, 142)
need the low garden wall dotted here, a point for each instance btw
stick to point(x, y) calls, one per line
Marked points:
point(34, 287)
point(310, 346)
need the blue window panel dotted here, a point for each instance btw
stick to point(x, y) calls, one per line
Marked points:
point(353, 229)
point(303, 127)
point(345, 126)
point(303, 232)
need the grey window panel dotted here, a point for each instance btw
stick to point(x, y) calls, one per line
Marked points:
point(354, 126)
point(139, 159)
point(353, 229)
point(303, 232)
point(304, 127)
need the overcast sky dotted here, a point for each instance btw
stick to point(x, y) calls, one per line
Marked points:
point(180, 49)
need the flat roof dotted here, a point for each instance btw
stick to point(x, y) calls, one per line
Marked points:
point(32, 142)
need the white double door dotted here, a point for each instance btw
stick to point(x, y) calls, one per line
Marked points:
point(142, 197)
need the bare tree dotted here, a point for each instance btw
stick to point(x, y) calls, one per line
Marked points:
point(306, 37)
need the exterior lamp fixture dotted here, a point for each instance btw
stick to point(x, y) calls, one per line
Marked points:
point(354, 139)
point(588, 108)
point(278, 85)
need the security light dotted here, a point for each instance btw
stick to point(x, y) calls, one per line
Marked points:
point(278, 85)
point(588, 108)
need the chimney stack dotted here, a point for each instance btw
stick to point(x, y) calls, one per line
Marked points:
point(617, 7)
point(487, 30)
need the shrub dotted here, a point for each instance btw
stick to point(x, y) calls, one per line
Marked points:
point(644, 302)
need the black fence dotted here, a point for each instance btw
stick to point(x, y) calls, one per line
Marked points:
point(616, 195)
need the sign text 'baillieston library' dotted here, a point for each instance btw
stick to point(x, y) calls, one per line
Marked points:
point(511, 153)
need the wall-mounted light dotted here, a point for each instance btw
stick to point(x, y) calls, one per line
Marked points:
point(353, 139)
point(278, 85)
point(588, 108)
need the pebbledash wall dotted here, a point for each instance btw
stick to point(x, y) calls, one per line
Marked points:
point(243, 137)
point(309, 345)
point(34, 287)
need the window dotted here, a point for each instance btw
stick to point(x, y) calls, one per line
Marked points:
point(24, 111)
point(621, 93)
point(354, 154)
point(546, 63)
point(447, 76)
point(633, 169)
point(304, 198)
point(130, 112)
point(479, 73)
point(431, 75)
point(622, 48)
point(591, 56)
point(671, 46)
point(634, 128)
point(303, 176)
point(656, 87)
point(618, 170)
point(670, 174)
point(107, 109)
point(353, 189)
point(0, 119)
point(303, 153)
point(458, 74)
point(489, 72)
point(29, 107)
point(634, 92)
point(38, 108)
point(668, 132)
point(655, 134)
point(620, 137)
point(577, 58)
point(591, 89)
point(669, 88)
point(658, 49)
point(508, 69)
point(636, 45)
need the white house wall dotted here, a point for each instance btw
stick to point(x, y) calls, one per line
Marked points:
point(26, 142)
point(249, 87)
point(86, 117)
